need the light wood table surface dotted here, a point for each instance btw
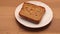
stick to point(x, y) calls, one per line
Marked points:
point(9, 25)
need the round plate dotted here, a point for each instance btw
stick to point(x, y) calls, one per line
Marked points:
point(45, 20)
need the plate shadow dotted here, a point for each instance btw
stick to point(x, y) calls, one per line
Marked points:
point(33, 29)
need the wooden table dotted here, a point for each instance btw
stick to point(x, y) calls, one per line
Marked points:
point(9, 25)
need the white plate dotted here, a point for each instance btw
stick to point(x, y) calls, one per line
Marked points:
point(45, 20)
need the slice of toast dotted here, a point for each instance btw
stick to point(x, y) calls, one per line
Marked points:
point(32, 13)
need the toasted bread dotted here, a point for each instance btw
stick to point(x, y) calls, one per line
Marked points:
point(32, 13)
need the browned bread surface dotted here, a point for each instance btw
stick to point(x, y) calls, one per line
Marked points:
point(32, 12)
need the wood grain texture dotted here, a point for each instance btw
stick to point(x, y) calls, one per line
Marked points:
point(9, 25)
